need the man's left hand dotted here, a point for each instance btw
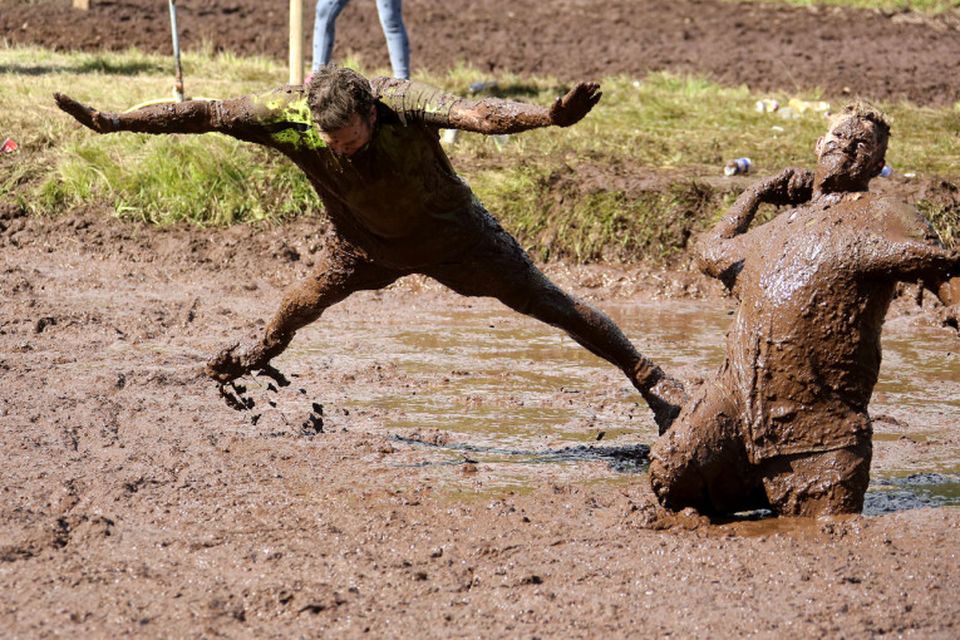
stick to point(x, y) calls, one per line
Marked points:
point(577, 103)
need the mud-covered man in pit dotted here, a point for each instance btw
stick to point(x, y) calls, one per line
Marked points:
point(784, 424)
point(372, 152)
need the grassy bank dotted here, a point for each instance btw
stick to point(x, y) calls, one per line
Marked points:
point(635, 178)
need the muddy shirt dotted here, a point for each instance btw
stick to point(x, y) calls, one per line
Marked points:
point(804, 352)
point(398, 198)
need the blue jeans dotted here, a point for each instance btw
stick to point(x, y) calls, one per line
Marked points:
point(391, 19)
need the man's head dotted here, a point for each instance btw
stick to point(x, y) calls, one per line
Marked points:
point(343, 108)
point(853, 150)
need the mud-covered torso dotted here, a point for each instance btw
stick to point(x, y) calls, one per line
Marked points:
point(400, 184)
point(804, 352)
point(398, 198)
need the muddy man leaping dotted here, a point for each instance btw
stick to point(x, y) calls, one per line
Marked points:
point(372, 152)
point(784, 424)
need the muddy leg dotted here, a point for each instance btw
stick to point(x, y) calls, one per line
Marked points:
point(815, 484)
point(596, 332)
point(701, 461)
point(340, 272)
point(498, 267)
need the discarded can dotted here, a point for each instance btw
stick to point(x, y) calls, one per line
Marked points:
point(483, 85)
point(767, 105)
point(9, 146)
point(737, 167)
point(886, 172)
point(449, 136)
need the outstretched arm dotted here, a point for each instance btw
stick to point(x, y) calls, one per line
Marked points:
point(718, 251)
point(936, 267)
point(413, 100)
point(233, 117)
point(907, 248)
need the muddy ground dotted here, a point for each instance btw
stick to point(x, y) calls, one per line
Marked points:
point(843, 52)
point(135, 501)
point(448, 469)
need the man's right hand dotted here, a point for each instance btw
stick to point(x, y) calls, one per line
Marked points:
point(575, 104)
point(792, 186)
point(87, 116)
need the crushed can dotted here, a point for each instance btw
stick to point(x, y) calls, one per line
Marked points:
point(449, 136)
point(767, 105)
point(9, 146)
point(886, 172)
point(483, 86)
point(737, 167)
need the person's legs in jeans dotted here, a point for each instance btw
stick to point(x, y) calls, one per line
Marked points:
point(391, 19)
point(324, 30)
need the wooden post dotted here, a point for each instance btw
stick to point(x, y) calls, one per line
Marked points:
point(83, 5)
point(296, 41)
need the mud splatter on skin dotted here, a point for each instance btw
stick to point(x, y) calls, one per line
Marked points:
point(785, 422)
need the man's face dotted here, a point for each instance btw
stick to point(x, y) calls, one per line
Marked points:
point(849, 155)
point(352, 137)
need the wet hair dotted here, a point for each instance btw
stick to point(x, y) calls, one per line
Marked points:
point(863, 110)
point(335, 94)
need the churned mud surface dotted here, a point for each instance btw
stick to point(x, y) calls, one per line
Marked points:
point(436, 467)
point(868, 53)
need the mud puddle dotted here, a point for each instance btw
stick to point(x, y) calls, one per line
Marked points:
point(481, 389)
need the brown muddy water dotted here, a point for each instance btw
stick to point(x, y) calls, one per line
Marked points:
point(483, 389)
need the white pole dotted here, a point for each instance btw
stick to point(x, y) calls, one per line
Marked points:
point(296, 41)
point(178, 70)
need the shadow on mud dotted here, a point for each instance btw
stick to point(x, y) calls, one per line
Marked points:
point(621, 459)
point(94, 65)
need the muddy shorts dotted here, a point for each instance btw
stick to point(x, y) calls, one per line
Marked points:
point(825, 482)
point(482, 260)
point(494, 264)
point(702, 462)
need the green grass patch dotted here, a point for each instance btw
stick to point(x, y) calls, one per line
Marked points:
point(164, 179)
point(580, 192)
point(555, 218)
